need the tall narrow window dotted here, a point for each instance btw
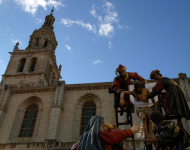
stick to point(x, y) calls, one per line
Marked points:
point(88, 110)
point(45, 44)
point(21, 64)
point(29, 121)
point(33, 64)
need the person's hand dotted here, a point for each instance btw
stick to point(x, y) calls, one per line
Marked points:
point(137, 129)
point(125, 146)
point(151, 139)
point(122, 102)
point(145, 82)
point(143, 98)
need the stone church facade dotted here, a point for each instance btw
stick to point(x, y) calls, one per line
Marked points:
point(38, 111)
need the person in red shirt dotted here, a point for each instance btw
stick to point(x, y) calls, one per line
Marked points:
point(121, 82)
point(101, 136)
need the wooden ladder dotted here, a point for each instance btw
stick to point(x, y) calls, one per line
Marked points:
point(127, 109)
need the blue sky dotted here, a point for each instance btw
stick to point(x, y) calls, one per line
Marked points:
point(94, 37)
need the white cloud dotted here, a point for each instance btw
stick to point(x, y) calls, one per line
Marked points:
point(106, 30)
point(97, 61)
point(69, 23)
point(1, 1)
point(67, 38)
point(0, 61)
point(93, 12)
point(31, 6)
point(122, 27)
point(16, 40)
point(39, 20)
point(105, 25)
point(111, 15)
point(110, 45)
point(68, 47)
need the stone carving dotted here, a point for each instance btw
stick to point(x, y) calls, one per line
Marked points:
point(41, 42)
point(182, 76)
point(49, 45)
point(40, 82)
point(16, 46)
point(33, 83)
point(60, 66)
point(20, 83)
point(34, 42)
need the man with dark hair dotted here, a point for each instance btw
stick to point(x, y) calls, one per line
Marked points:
point(143, 108)
point(174, 100)
point(168, 134)
point(121, 82)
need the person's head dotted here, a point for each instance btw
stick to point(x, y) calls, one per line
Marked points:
point(117, 146)
point(106, 126)
point(138, 87)
point(92, 133)
point(156, 117)
point(155, 74)
point(121, 70)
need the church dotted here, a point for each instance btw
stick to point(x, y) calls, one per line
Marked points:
point(38, 111)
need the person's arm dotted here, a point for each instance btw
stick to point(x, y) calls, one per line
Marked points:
point(122, 102)
point(135, 76)
point(113, 136)
point(153, 100)
point(116, 86)
point(155, 91)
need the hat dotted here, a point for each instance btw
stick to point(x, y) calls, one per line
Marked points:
point(154, 72)
point(120, 68)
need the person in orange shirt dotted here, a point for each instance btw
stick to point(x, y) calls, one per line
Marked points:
point(101, 136)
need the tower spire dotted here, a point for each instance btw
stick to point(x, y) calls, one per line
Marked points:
point(52, 10)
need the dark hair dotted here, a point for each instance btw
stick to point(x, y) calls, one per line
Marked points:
point(155, 72)
point(136, 86)
point(156, 117)
point(117, 145)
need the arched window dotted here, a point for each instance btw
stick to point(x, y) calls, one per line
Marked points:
point(88, 110)
point(33, 64)
point(45, 44)
point(21, 64)
point(29, 121)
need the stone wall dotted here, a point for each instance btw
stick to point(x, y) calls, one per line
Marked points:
point(59, 117)
point(14, 114)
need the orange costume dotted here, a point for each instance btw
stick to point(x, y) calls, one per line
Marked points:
point(110, 137)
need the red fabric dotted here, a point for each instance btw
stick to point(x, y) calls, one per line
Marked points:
point(167, 107)
point(152, 72)
point(121, 67)
point(75, 146)
point(158, 87)
point(116, 83)
point(111, 137)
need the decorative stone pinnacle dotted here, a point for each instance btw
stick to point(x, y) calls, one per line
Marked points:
point(52, 10)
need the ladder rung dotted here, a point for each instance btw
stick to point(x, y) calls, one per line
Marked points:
point(122, 111)
point(124, 123)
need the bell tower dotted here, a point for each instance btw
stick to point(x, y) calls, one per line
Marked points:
point(35, 65)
